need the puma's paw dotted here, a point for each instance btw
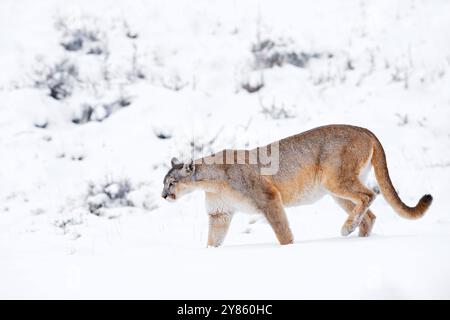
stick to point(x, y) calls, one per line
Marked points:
point(287, 241)
point(363, 234)
point(347, 229)
point(364, 230)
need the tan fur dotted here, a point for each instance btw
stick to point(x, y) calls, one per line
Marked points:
point(325, 160)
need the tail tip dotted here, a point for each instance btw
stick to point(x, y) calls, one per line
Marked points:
point(424, 204)
point(428, 198)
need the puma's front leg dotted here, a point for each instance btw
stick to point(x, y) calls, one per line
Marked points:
point(219, 223)
point(219, 214)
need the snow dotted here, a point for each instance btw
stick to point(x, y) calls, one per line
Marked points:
point(383, 65)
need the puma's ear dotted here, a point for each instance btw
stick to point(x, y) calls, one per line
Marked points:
point(189, 166)
point(176, 164)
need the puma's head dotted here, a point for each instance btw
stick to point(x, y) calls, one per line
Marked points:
point(176, 181)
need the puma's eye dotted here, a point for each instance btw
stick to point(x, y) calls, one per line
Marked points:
point(171, 184)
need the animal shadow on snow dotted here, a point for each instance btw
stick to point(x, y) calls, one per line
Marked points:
point(350, 239)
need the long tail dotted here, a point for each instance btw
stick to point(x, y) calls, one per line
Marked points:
point(387, 189)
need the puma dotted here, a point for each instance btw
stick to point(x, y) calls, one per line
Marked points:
point(331, 159)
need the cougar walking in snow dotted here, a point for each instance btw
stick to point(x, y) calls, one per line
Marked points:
point(296, 170)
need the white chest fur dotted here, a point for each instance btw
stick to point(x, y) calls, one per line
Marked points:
point(228, 201)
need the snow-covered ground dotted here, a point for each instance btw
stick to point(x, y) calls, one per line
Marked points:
point(137, 82)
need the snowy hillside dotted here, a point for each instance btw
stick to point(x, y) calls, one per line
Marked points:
point(96, 96)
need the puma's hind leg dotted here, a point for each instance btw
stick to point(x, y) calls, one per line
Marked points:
point(362, 197)
point(367, 223)
point(366, 226)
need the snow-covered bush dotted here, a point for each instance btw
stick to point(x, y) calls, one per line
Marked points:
point(202, 145)
point(173, 81)
point(115, 193)
point(163, 133)
point(82, 35)
point(136, 71)
point(252, 88)
point(402, 75)
point(109, 194)
point(268, 54)
point(89, 68)
point(58, 78)
point(99, 111)
point(253, 83)
point(275, 111)
point(68, 220)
